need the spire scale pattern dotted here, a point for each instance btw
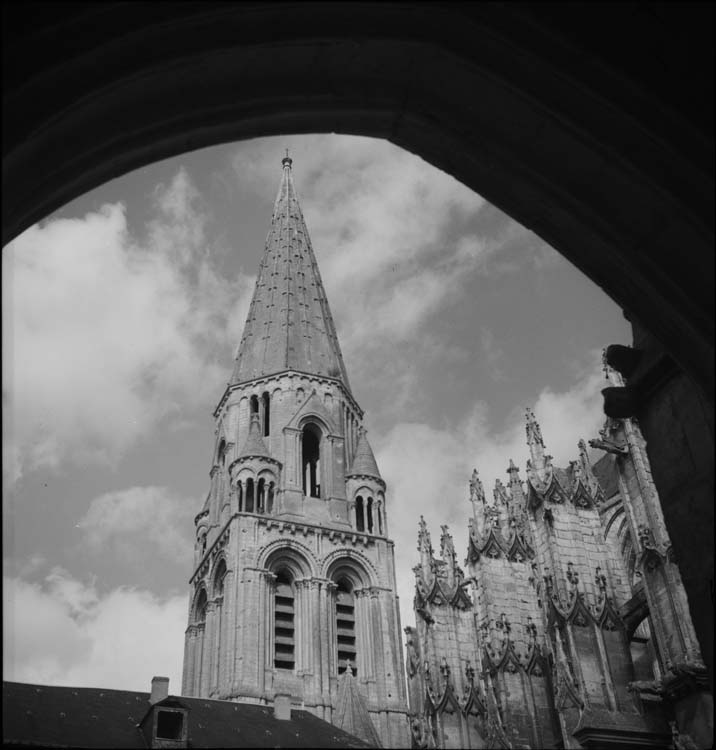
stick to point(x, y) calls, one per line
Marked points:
point(289, 324)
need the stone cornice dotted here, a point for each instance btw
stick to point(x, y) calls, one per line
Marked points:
point(367, 476)
point(274, 377)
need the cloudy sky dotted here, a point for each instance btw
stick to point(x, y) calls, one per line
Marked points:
point(121, 316)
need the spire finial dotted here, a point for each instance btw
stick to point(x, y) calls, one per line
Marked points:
point(286, 161)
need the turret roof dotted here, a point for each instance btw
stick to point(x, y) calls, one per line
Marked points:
point(289, 325)
point(254, 445)
point(351, 713)
point(364, 460)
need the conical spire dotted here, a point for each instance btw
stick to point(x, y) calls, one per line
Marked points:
point(254, 445)
point(351, 713)
point(289, 325)
point(364, 461)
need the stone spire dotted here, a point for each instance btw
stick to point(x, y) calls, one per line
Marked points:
point(289, 324)
point(364, 461)
point(351, 713)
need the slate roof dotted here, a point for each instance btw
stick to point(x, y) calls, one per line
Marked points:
point(289, 325)
point(40, 715)
point(254, 445)
point(364, 461)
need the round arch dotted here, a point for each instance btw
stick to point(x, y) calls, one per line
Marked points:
point(604, 155)
point(198, 607)
point(218, 574)
point(352, 566)
point(539, 145)
point(291, 555)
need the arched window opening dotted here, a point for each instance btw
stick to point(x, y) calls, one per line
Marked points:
point(240, 496)
point(360, 525)
point(219, 577)
point(643, 653)
point(346, 626)
point(253, 406)
point(269, 498)
point(266, 403)
point(249, 495)
point(311, 463)
point(260, 496)
point(379, 511)
point(284, 628)
point(200, 607)
point(222, 452)
point(369, 515)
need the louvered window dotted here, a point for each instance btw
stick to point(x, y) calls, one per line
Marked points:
point(284, 627)
point(345, 627)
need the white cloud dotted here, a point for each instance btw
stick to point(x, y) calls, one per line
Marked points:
point(63, 632)
point(492, 353)
point(427, 468)
point(137, 523)
point(104, 336)
point(390, 232)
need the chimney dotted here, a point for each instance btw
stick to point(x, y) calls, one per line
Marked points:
point(160, 689)
point(282, 707)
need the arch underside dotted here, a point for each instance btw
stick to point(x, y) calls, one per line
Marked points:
point(590, 124)
point(584, 155)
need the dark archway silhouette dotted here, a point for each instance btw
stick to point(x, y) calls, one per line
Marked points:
point(590, 124)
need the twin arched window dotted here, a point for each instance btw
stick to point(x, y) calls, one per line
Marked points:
point(369, 515)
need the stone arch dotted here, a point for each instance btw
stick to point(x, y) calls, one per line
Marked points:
point(290, 554)
point(490, 148)
point(320, 420)
point(351, 564)
point(176, 79)
point(198, 607)
point(218, 573)
point(618, 512)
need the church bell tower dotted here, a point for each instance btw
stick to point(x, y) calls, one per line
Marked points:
point(293, 589)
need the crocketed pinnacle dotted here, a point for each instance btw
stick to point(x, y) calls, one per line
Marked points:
point(364, 461)
point(289, 325)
